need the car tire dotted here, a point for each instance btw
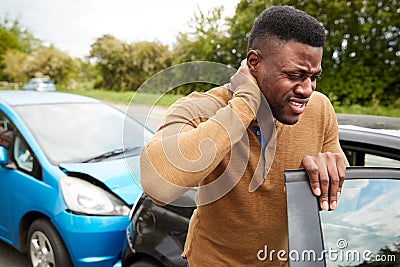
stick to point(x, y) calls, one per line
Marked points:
point(146, 263)
point(45, 247)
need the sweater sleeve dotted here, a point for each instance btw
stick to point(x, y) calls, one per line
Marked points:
point(187, 148)
point(331, 136)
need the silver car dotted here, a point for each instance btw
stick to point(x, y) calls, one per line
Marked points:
point(40, 84)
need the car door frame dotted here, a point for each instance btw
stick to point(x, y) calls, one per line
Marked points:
point(304, 224)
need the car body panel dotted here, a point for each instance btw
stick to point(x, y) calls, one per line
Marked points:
point(148, 235)
point(90, 240)
point(112, 174)
point(101, 236)
point(13, 98)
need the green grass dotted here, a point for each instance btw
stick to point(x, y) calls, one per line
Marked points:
point(374, 110)
point(126, 97)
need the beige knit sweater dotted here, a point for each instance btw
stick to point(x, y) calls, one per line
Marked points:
point(200, 136)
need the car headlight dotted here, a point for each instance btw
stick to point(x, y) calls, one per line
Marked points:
point(83, 197)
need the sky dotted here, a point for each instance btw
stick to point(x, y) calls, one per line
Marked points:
point(73, 25)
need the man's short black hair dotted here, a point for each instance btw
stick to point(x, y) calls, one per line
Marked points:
point(285, 23)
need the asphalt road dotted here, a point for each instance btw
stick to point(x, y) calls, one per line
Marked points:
point(10, 257)
point(152, 117)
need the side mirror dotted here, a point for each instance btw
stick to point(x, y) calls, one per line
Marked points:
point(3, 156)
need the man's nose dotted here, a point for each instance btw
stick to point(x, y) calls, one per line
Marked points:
point(306, 87)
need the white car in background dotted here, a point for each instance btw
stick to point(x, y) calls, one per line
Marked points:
point(40, 84)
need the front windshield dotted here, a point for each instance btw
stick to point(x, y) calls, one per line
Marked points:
point(75, 132)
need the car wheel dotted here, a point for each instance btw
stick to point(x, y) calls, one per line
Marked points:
point(146, 263)
point(45, 247)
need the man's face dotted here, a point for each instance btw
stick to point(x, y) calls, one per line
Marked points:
point(287, 75)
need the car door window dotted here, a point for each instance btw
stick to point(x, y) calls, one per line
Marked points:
point(374, 160)
point(6, 131)
point(363, 231)
point(22, 155)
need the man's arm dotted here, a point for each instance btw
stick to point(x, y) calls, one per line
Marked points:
point(182, 153)
point(326, 170)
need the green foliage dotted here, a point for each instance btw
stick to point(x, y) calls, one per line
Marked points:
point(26, 42)
point(361, 55)
point(8, 41)
point(240, 26)
point(125, 66)
point(204, 41)
point(13, 62)
point(49, 61)
point(361, 60)
point(14, 42)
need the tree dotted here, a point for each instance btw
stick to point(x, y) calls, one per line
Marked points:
point(240, 26)
point(14, 37)
point(205, 41)
point(26, 41)
point(361, 55)
point(13, 62)
point(126, 66)
point(107, 52)
point(49, 61)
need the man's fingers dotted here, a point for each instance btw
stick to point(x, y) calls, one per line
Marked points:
point(326, 173)
point(324, 181)
point(341, 164)
point(334, 180)
point(311, 168)
point(242, 76)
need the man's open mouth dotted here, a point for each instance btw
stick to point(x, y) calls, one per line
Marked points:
point(298, 105)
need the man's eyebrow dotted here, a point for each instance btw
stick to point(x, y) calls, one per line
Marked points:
point(306, 72)
point(319, 72)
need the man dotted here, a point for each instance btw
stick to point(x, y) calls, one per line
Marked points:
point(206, 136)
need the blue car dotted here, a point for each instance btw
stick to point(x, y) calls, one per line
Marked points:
point(66, 188)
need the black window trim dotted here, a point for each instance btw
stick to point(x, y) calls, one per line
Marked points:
point(304, 225)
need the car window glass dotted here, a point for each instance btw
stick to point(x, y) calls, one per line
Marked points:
point(22, 155)
point(6, 131)
point(365, 229)
point(373, 160)
point(76, 132)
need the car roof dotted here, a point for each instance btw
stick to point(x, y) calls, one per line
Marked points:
point(378, 137)
point(40, 79)
point(19, 98)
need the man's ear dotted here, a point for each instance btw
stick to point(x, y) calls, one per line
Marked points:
point(253, 62)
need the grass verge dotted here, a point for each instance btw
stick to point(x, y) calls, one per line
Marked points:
point(126, 97)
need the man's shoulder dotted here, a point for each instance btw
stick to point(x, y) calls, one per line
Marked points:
point(318, 96)
point(319, 101)
point(202, 104)
point(319, 111)
point(220, 94)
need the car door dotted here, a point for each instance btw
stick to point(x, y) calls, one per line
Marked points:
point(363, 231)
point(19, 179)
point(7, 131)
